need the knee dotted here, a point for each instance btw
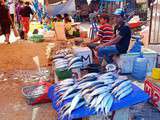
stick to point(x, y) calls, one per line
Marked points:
point(100, 51)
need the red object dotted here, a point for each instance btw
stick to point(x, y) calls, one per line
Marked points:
point(135, 25)
point(25, 23)
point(154, 92)
point(43, 98)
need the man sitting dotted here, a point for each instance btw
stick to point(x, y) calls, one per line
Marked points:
point(105, 33)
point(119, 44)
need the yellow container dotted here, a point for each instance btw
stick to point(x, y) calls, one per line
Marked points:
point(156, 73)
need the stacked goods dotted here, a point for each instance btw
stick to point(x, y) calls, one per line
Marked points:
point(64, 62)
point(95, 91)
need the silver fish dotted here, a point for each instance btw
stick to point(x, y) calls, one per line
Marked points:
point(76, 59)
point(87, 80)
point(122, 85)
point(123, 90)
point(93, 102)
point(90, 84)
point(74, 103)
point(109, 105)
point(100, 91)
point(90, 75)
point(125, 93)
point(76, 65)
point(69, 90)
point(118, 82)
point(68, 56)
point(100, 98)
point(104, 102)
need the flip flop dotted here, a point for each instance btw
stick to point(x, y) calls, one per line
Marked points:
point(6, 43)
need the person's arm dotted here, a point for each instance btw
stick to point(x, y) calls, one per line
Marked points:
point(112, 42)
point(96, 39)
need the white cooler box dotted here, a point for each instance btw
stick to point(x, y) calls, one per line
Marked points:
point(126, 60)
point(85, 53)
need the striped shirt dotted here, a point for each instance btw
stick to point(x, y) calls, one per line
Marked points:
point(105, 33)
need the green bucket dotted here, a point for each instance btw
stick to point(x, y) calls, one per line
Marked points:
point(63, 74)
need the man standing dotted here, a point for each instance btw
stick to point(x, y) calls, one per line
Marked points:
point(119, 44)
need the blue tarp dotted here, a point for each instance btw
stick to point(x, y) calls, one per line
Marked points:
point(137, 96)
point(67, 7)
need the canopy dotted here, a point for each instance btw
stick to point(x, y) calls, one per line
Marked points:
point(67, 7)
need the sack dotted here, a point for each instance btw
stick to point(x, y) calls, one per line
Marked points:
point(15, 32)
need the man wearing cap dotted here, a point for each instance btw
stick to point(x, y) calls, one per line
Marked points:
point(119, 44)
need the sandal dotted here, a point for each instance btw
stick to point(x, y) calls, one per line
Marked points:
point(6, 43)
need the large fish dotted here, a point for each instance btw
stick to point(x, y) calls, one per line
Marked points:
point(100, 98)
point(87, 80)
point(75, 102)
point(118, 82)
point(93, 102)
point(123, 90)
point(76, 65)
point(90, 84)
point(100, 90)
point(74, 60)
point(121, 86)
point(109, 105)
point(125, 93)
point(90, 75)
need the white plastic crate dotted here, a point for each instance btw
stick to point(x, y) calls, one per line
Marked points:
point(85, 53)
point(126, 60)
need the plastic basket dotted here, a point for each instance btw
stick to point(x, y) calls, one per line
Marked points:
point(35, 95)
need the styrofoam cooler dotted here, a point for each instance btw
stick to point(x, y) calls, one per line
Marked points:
point(126, 60)
point(85, 53)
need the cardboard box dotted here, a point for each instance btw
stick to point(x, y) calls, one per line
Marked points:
point(126, 60)
point(153, 89)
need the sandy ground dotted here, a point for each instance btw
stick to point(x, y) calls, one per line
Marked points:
point(18, 56)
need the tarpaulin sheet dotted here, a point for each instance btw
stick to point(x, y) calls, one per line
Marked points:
point(67, 7)
point(137, 96)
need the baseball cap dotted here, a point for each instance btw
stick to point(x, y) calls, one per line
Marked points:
point(119, 11)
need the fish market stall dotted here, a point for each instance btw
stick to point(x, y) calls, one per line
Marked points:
point(94, 95)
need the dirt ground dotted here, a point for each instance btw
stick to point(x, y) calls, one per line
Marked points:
point(18, 56)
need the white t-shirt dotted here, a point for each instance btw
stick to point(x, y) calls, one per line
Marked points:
point(11, 6)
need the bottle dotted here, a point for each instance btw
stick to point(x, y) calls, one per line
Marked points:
point(140, 68)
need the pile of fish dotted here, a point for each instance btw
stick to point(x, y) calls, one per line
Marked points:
point(94, 91)
point(65, 60)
